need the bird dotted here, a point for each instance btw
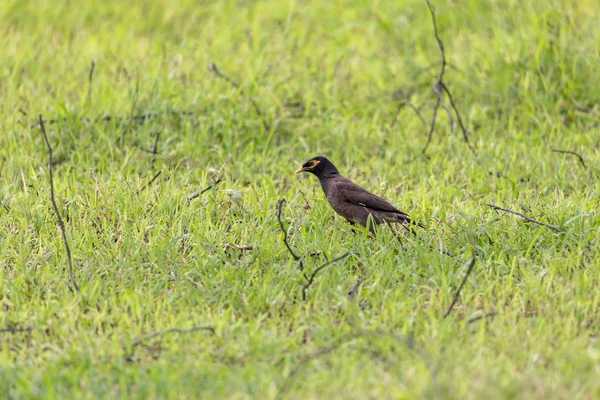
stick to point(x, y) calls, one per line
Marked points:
point(351, 201)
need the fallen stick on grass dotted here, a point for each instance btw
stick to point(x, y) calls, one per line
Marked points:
point(525, 217)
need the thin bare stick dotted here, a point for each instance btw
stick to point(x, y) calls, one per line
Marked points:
point(90, 79)
point(265, 123)
point(61, 224)
point(439, 88)
point(469, 269)
point(572, 153)
point(206, 189)
point(485, 317)
point(526, 218)
point(440, 77)
point(213, 67)
point(155, 149)
point(14, 329)
point(464, 130)
point(312, 277)
point(439, 41)
point(151, 181)
point(436, 89)
point(172, 330)
point(285, 234)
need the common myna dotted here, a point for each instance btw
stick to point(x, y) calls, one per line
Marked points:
point(350, 200)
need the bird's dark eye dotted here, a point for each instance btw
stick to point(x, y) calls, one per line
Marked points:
point(310, 164)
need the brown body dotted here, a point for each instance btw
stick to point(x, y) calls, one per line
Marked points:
point(349, 200)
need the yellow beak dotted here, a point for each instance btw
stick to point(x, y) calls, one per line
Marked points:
point(299, 170)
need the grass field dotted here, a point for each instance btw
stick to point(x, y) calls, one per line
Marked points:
point(183, 298)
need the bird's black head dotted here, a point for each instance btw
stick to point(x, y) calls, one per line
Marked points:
point(320, 166)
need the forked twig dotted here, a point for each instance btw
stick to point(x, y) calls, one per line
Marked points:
point(312, 277)
point(439, 87)
point(61, 224)
point(297, 257)
point(525, 217)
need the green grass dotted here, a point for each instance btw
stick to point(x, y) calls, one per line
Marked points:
point(525, 76)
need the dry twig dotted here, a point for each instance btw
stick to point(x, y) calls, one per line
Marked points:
point(480, 317)
point(572, 153)
point(463, 129)
point(439, 87)
point(151, 181)
point(14, 329)
point(469, 269)
point(206, 189)
point(285, 234)
point(525, 217)
point(312, 277)
point(155, 149)
point(61, 224)
point(90, 79)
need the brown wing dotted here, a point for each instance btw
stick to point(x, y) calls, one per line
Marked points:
point(354, 194)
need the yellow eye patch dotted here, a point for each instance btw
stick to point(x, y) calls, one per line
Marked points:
point(314, 163)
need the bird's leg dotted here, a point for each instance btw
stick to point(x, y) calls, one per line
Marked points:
point(410, 229)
